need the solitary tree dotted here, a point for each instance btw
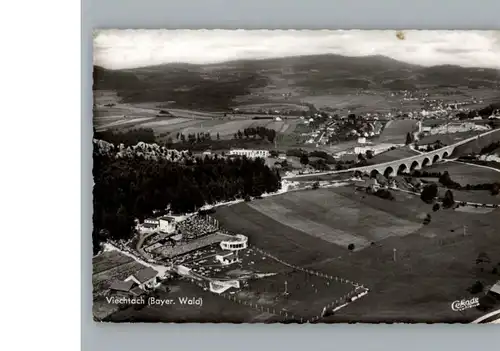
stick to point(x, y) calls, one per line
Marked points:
point(495, 189)
point(429, 193)
point(482, 260)
point(408, 138)
point(448, 200)
point(304, 159)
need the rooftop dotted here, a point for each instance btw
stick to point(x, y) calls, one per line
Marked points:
point(121, 285)
point(145, 274)
point(496, 288)
point(167, 218)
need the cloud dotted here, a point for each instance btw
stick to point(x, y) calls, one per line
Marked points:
point(118, 49)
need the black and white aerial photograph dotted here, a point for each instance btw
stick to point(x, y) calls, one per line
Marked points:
point(296, 176)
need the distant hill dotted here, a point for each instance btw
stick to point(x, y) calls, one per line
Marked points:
point(215, 86)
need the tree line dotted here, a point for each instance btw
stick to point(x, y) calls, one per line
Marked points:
point(253, 132)
point(134, 187)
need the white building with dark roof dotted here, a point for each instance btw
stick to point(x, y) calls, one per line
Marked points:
point(249, 153)
point(167, 224)
point(227, 257)
point(135, 284)
point(145, 278)
point(150, 225)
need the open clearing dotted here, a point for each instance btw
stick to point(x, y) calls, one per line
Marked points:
point(466, 174)
point(395, 131)
point(448, 139)
point(435, 264)
point(476, 196)
point(334, 218)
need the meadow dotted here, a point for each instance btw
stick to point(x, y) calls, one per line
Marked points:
point(466, 174)
point(391, 155)
point(395, 131)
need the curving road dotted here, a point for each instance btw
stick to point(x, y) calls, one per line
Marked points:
point(412, 162)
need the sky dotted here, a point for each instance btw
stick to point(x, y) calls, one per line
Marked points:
point(121, 49)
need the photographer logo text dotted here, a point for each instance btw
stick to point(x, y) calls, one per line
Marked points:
point(460, 305)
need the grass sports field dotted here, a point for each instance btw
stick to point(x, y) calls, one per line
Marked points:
point(435, 263)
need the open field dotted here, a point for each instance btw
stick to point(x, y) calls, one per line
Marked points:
point(448, 139)
point(476, 196)
point(391, 155)
point(466, 174)
point(434, 267)
point(279, 106)
point(395, 131)
point(477, 145)
point(333, 218)
point(357, 103)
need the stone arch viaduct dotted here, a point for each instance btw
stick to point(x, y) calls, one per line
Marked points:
point(408, 164)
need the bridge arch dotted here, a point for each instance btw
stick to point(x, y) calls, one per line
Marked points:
point(389, 172)
point(415, 165)
point(403, 168)
point(374, 173)
point(426, 162)
point(435, 158)
point(445, 154)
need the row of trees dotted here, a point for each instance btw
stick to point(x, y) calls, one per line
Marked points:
point(133, 187)
point(195, 137)
point(445, 180)
point(253, 132)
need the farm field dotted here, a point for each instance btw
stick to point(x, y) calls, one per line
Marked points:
point(477, 196)
point(122, 123)
point(395, 131)
point(333, 218)
point(448, 139)
point(435, 264)
point(478, 144)
point(357, 103)
point(110, 266)
point(106, 268)
point(391, 155)
point(466, 174)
